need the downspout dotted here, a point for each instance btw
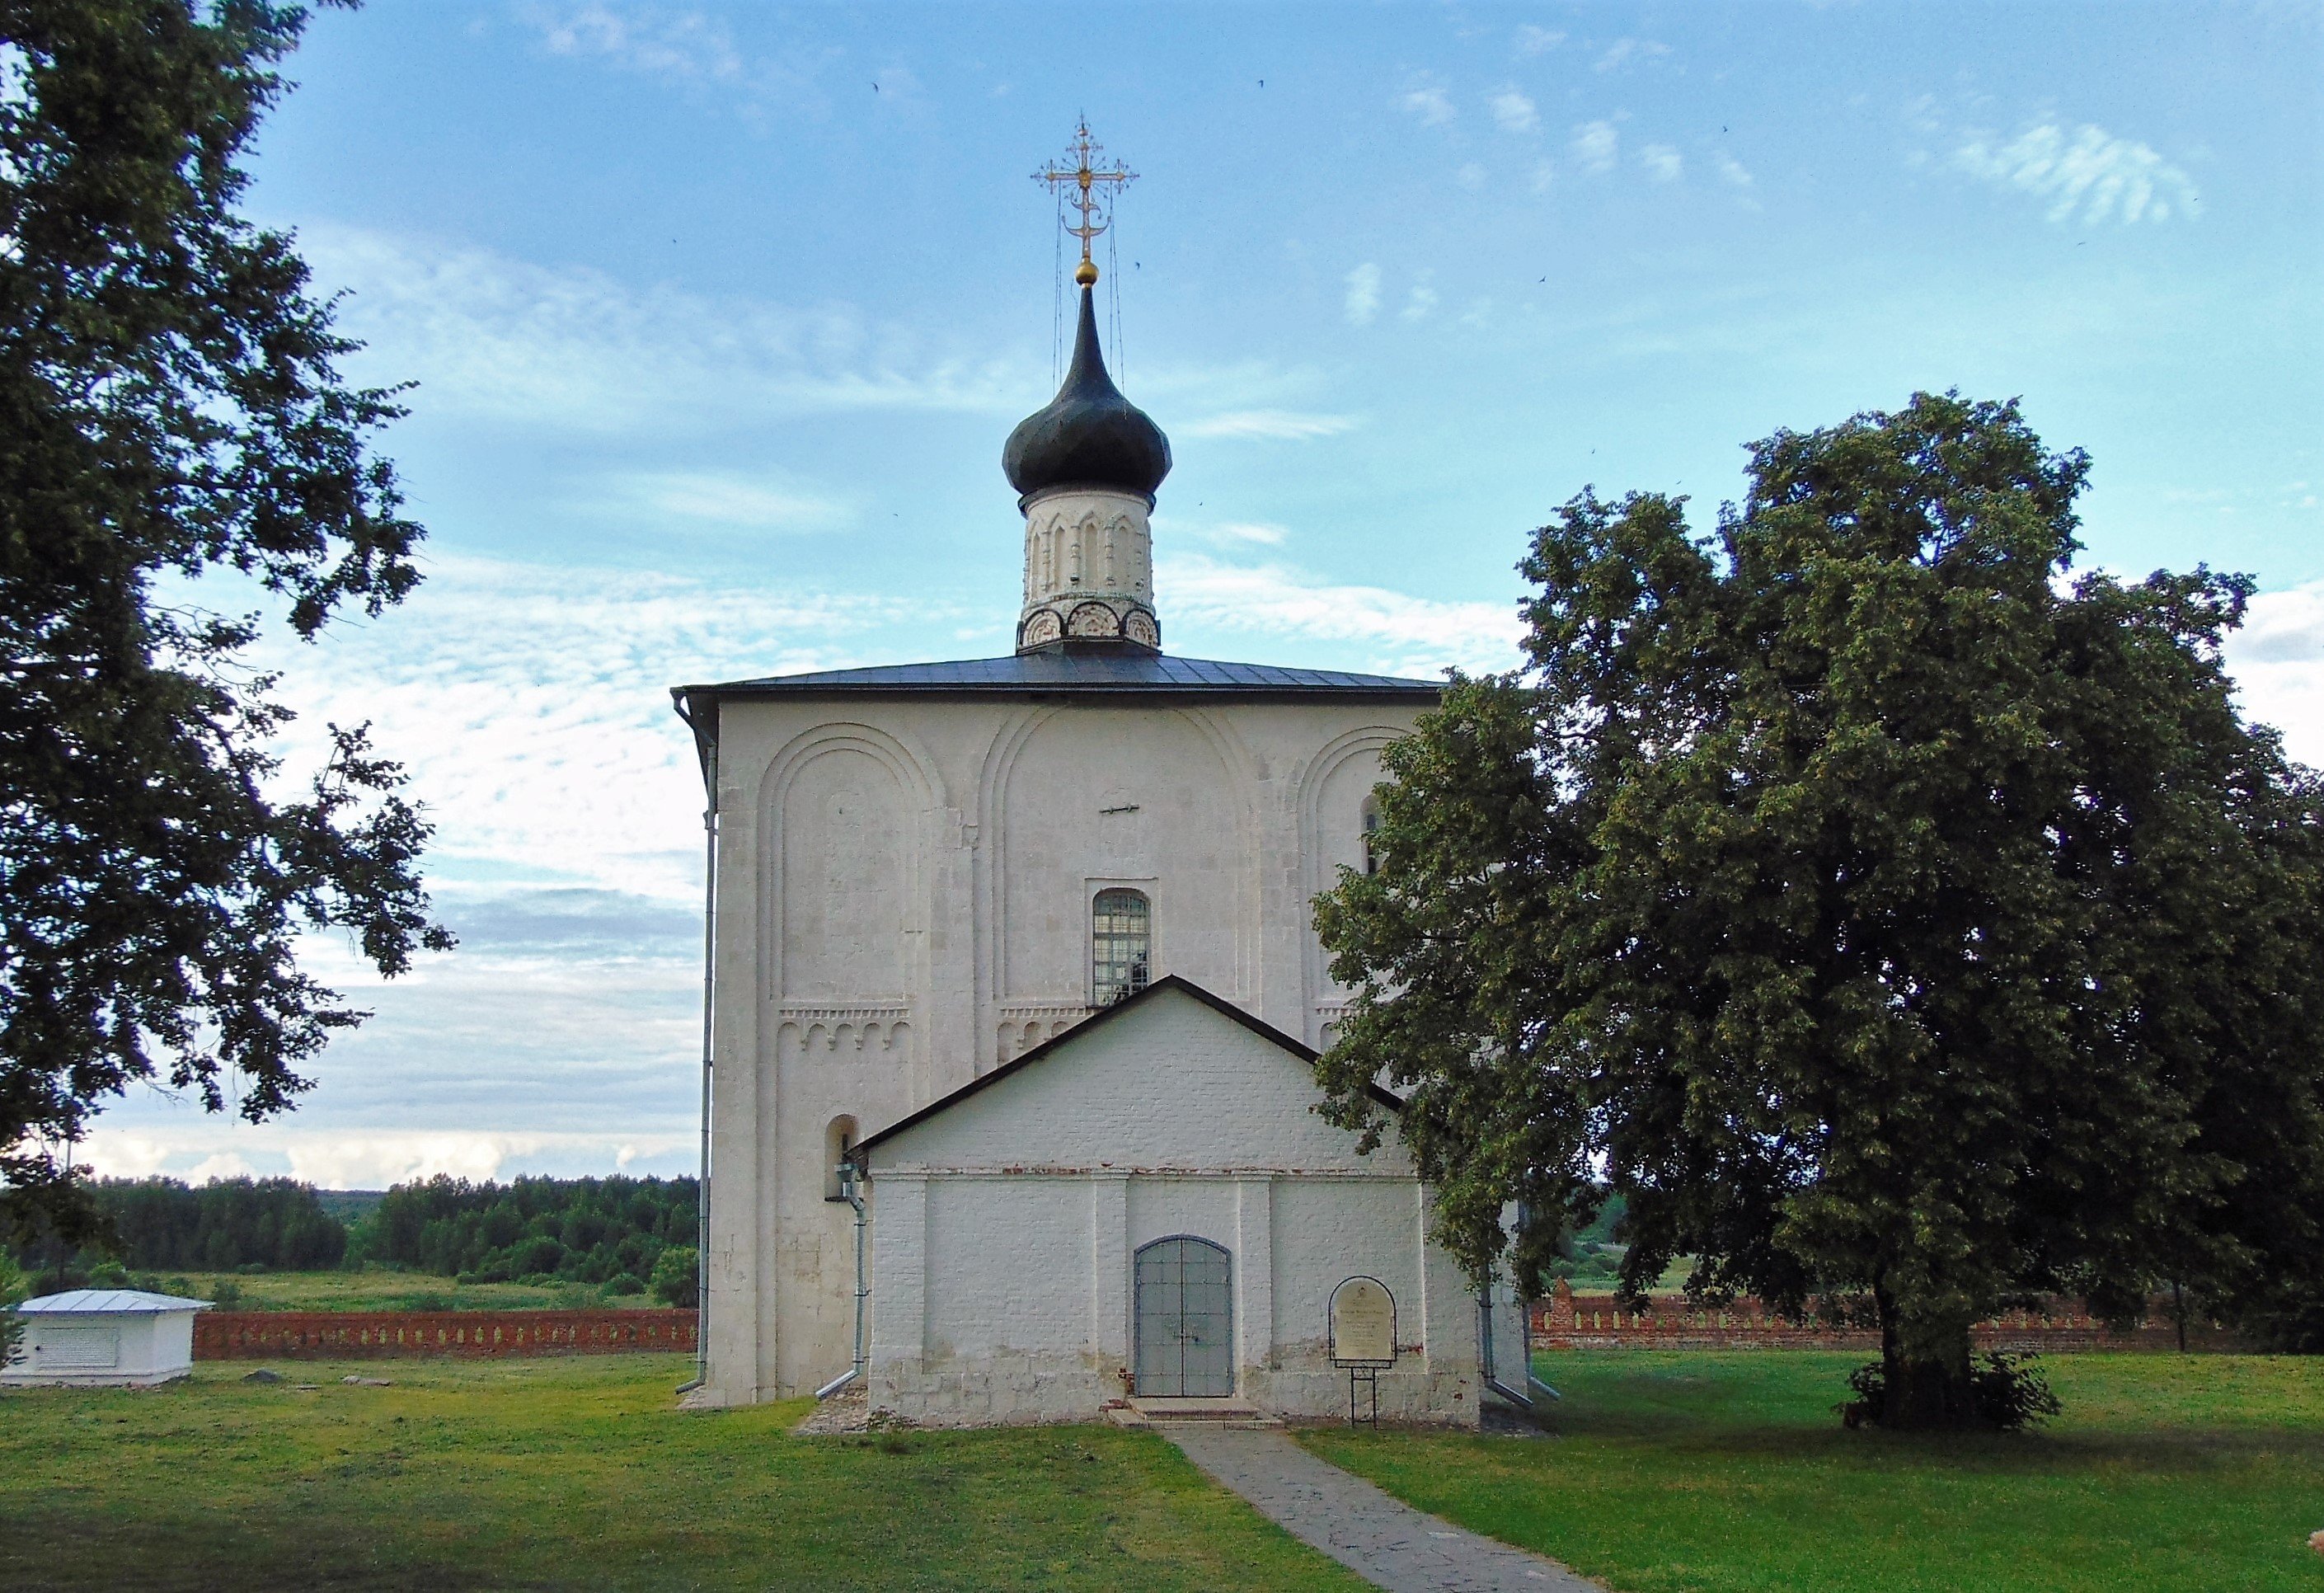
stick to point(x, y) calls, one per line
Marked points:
point(709, 993)
point(850, 1189)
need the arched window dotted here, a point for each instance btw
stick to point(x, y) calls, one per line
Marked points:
point(1372, 830)
point(1121, 945)
point(838, 1144)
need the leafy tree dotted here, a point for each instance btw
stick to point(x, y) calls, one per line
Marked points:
point(170, 405)
point(1898, 926)
point(675, 1280)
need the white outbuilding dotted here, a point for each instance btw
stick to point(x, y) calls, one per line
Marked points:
point(104, 1338)
point(1147, 1212)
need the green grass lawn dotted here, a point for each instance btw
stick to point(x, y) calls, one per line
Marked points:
point(581, 1473)
point(1723, 1473)
point(387, 1291)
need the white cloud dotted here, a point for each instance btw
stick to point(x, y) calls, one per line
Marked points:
point(1232, 532)
point(688, 49)
point(491, 337)
point(1285, 425)
point(1514, 113)
point(1662, 162)
point(1420, 304)
point(552, 753)
point(1537, 41)
point(1430, 104)
point(1404, 633)
point(219, 1164)
point(1596, 147)
point(1545, 176)
point(729, 499)
point(1363, 294)
point(2278, 661)
point(686, 46)
point(342, 1161)
point(1624, 51)
point(1730, 170)
point(2090, 175)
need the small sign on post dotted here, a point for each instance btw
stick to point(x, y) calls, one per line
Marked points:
point(1364, 1337)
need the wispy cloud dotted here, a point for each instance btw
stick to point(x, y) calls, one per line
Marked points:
point(1420, 303)
point(487, 336)
point(1242, 534)
point(1596, 147)
point(725, 498)
point(2088, 174)
point(1431, 104)
point(1514, 113)
point(1537, 41)
point(1731, 171)
point(1471, 176)
point(1623, 51)
point(1404, 633)
point(1285, 425)
point(1663, 162)
point(685, 47)
point(1363, 294)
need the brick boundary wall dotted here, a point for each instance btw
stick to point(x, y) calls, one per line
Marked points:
point(1567, 1320)
point(364, 1335)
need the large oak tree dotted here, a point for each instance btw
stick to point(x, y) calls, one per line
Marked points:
point(1897, 922)
point(170, 405)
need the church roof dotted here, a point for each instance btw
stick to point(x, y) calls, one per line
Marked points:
point(1072, 672)
point(1089, 435)
point(1184, 986)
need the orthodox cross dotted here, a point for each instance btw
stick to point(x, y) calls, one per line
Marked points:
point(1090, 186)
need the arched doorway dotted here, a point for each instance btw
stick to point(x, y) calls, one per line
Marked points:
point(1185, 1319)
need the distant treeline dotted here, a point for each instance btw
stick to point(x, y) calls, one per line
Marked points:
point(589, 1230)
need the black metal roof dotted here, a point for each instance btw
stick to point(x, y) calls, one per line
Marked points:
point(1073, 672)
point(1089, 435)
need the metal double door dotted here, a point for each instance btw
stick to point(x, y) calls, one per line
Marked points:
point(1185, 1320)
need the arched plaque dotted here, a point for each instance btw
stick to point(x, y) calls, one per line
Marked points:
point(1363, 1324)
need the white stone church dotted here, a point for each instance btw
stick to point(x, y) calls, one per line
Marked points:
point(1028, 941)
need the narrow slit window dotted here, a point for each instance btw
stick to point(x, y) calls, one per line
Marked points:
point(1372, 834)
point(838, 1145)
point(1120, 946)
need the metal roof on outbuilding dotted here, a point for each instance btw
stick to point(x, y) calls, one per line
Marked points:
point(108, 1302)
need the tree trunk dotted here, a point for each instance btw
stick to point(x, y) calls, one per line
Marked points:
point(1924, 1368)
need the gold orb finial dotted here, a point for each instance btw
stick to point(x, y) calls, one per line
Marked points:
point(1085, 273)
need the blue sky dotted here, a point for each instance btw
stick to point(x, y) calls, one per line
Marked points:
point(719, 315)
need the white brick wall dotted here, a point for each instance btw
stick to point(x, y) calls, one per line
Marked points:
point(1005, 1229)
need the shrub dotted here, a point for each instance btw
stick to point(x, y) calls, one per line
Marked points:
point(12, 1288)
point(625, 1283)
point(674, 1281)
point(2010, 1394)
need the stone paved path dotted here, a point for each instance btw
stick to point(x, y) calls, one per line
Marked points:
point(1383, 1540)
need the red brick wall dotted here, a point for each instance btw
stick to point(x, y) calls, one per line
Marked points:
point(1567, 1320)
point(350, 1335)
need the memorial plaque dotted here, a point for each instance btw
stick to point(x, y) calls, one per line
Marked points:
point(1363, 1323)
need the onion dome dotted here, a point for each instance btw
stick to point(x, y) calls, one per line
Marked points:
point(1090, 436)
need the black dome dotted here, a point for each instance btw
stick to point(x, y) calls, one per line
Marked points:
point(1090, 435)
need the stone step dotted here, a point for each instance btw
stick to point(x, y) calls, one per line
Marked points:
point(1181, 1412)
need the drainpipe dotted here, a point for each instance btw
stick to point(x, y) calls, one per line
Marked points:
point(850, 1189)
point(709, 992)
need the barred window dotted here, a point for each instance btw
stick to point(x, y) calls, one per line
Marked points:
point(1120, 946)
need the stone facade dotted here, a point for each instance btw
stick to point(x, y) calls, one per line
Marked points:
point(904, 895)
point(1006, 1228)
point(1089, 570)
